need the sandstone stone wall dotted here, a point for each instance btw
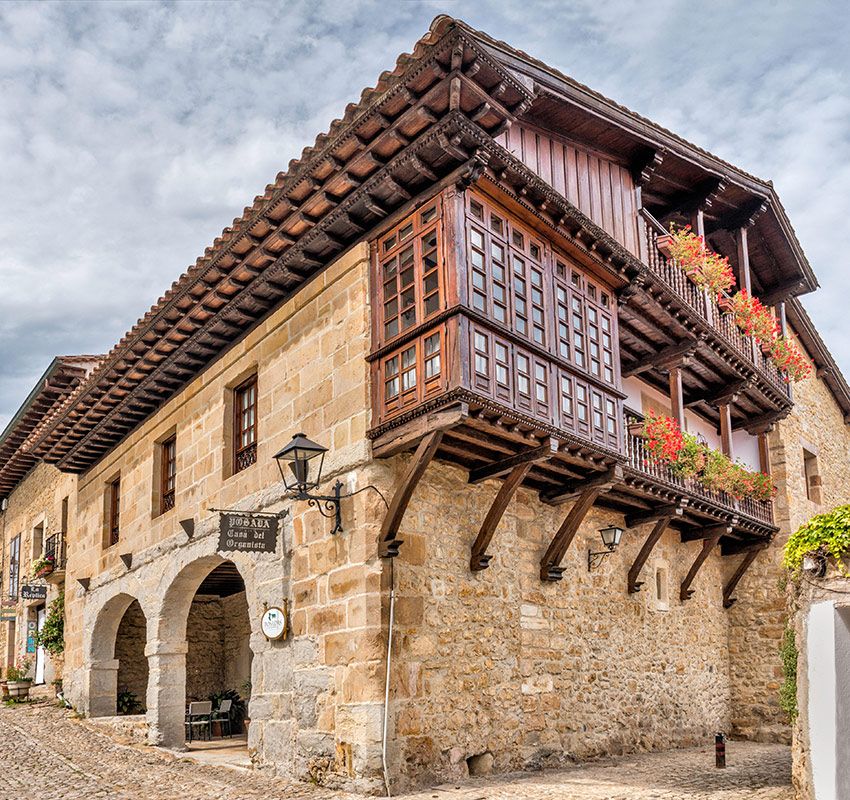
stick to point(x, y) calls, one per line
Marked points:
point(236, 644)
point(533, 673)
point(37, 500)
point(758, 618)
point(315, 711)
point(130, 652)
point(205, 659)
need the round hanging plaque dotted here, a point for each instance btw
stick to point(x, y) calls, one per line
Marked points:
point(274, 623)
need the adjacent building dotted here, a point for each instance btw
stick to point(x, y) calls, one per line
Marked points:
point(458, 291)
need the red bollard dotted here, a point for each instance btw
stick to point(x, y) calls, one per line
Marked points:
point(719, 750)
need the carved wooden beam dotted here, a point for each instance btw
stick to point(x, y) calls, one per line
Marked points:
point(760, 422)
point(480, 559)
point(645, 164)
point(400, 439)
point(728, 393)
point(746, 562)
point(701, 198)
point(668, 356)
point(654, 514)
point(604, 481)
point(530, 456)
point(744, 217)
point(782, 291)
point(550, 564)
point(663, 517)
point(712, 537)
point(388, 544)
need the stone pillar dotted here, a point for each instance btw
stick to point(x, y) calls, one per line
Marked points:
point(166, 698)
point(103, 688)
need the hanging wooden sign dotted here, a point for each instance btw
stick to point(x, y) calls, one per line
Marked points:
point(33, 592)
point(245, 532)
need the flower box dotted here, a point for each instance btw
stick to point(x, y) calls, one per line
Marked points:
point(664, 243)
point(45, 570)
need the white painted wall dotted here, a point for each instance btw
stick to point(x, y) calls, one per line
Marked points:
point(822, 717)
point(744, 446)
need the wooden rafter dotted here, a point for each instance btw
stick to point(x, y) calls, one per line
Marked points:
point(712, 537)
point(662, 516)
point(480, 559)
point(388, 543)
point(550, 564)
point(604, 481)
point(530, 456)
point(669, 356)
point(746, 562)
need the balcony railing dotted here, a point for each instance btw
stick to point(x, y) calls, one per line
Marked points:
point(641, 460)
point(706, 306)
point(55, 547)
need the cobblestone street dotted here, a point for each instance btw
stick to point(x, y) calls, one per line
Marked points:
point(45, 754)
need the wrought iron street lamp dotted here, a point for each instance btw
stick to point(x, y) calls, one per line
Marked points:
point(305, 461)
point(610, 539)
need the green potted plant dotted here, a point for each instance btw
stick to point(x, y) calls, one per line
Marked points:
point(43, 566)
point(17, 680)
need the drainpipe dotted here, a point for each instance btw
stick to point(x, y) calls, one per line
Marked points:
point(387, 683)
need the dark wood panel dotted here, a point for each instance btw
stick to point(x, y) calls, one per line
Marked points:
point(601, 188)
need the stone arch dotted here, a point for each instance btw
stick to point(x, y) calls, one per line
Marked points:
point(168, 646)
point(101, 663)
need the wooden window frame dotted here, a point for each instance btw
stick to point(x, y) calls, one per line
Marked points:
point(167, 473)
point(113, 527)
point(427, 287)
point(244, 455)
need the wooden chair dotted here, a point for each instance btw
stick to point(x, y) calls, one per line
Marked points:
point(199, 717)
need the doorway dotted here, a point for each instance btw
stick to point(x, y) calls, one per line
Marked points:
point(40, 617)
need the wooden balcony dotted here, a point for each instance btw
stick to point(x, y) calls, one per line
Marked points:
point(496, 352)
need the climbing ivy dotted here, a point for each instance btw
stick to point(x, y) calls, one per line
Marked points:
point(828, 533)
point(788, 691)
point(52, 634)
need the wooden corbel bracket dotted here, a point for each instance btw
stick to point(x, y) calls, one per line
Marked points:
point(550, 564)
point(662, 516)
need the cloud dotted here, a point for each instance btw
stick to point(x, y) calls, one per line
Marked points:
point(131, 133)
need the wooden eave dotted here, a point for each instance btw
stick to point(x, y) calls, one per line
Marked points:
point(826, 368)
point(604, 124)
point(62, 377)
point(353, 178)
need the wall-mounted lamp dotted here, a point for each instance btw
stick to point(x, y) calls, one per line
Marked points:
point(301, 453)
point(814, 565)
point(610, 539)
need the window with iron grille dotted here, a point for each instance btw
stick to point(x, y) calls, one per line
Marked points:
point(114, 511)
point(168, 466)
point(245, 424)
point(14, 566)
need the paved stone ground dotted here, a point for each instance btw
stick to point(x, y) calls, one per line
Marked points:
point(46, 754)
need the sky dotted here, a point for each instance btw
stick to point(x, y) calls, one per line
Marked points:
point(132, 133)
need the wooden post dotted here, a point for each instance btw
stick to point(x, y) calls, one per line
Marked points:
point(783, 319)
point(726, 429)
point(764, 453)
point(744, 278)
point(677, 406)
point(698, 222)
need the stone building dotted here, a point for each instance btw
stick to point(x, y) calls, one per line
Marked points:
point(38, 504)
point(458, 290)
